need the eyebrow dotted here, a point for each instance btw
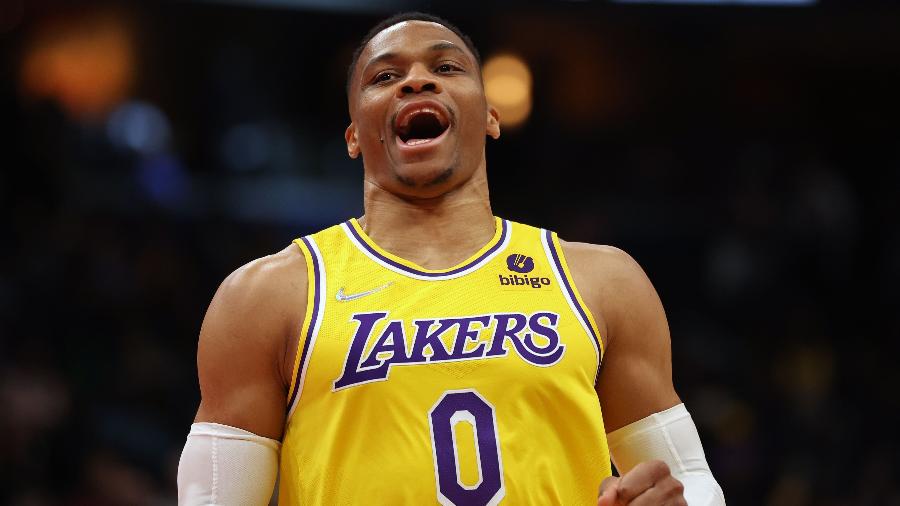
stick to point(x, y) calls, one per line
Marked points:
point(440, 46)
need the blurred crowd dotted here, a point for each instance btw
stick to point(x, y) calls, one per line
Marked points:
point(769, 228)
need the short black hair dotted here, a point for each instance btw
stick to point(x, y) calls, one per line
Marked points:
point(399, 18)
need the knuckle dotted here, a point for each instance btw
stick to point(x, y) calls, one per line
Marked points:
point(608, 482)
point(658, 467)
point(673, 483)
point(676, 492)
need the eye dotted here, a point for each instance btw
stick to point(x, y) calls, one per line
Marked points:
point(382, 77)
point(447, 67)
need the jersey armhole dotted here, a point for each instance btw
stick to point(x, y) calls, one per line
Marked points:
point(570, 291)
point(314, 304)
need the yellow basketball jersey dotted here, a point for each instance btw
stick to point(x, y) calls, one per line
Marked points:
point(472, 385)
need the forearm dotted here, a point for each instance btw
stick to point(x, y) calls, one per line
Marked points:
point(223, 465)
point(672, 437)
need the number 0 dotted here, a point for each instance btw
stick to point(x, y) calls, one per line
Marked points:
point(453, 407)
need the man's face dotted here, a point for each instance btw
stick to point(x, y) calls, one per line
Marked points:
point(418, 111)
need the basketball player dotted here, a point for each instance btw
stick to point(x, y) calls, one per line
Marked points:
point(429, 352)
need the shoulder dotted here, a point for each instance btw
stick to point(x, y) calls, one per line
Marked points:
point(259, 307)
point(603, 267)
point(266, 280)
point(608, 259)
point(613, 284)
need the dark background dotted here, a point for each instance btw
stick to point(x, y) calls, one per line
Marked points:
point(747, 157)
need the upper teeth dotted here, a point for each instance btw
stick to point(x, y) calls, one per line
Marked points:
point(426, 110)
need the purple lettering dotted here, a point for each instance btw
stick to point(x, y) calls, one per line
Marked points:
point(465, 333)
point(393, 341)
point(554, 350)
point(517, 328)
point(432, 339)
point(502, 331)
point(351, 373)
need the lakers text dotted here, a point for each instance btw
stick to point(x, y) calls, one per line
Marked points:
point(423, 342)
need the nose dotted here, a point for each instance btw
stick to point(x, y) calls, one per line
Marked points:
point(418, 80)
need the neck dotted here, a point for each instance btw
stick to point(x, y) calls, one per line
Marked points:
point(435, 233)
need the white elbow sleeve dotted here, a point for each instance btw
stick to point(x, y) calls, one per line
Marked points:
point(222, 465)
point(672, 437)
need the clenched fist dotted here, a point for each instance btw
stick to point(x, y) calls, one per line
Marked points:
point(647, 484)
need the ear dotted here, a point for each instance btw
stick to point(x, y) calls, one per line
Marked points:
point(352, 141)
point(493, 122)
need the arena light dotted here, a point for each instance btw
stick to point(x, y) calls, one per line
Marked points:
point(763, 3)
point(139, 127)
point(507, 84)
point(84, 62)
point(381, 6)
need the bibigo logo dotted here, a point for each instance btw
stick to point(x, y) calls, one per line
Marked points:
point(520, 263)
point(523, 265)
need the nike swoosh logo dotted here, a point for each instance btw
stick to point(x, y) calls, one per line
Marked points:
point(341, 297)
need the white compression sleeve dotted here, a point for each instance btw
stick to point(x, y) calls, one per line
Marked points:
point(672, 437)
point(223, 465)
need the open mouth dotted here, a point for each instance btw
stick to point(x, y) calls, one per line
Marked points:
point(420, 126)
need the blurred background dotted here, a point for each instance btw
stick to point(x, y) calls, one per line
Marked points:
point(745, 153)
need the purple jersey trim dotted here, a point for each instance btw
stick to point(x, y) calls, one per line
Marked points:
point(570, 292)
point(504, 230)
point(312, 321)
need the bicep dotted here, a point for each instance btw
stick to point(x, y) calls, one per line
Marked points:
point(636, 376)
point(239, 356)
point(237, 384)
